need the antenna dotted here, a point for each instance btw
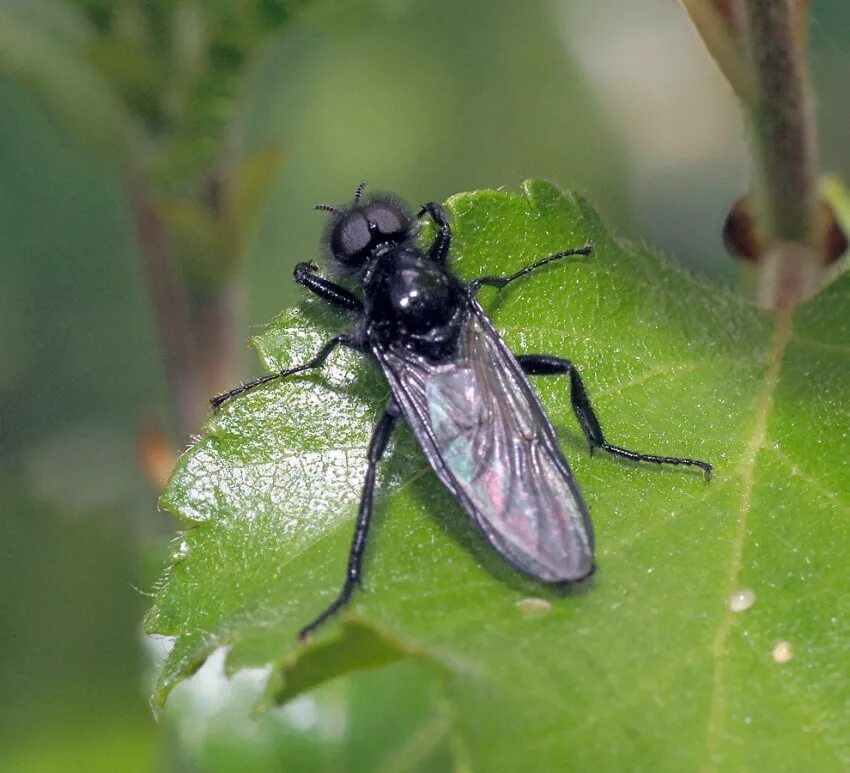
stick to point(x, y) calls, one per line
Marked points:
point(328, 208)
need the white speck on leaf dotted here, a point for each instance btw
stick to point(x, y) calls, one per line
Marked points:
point(783, 652)
point(741, 600)
point(533, 606)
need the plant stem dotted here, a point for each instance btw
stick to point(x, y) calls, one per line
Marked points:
point(217, 318)
point(196, 325)
point(784, 127)
point(171, 310)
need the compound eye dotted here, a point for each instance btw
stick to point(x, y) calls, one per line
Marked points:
point(350, 237)
point(386, 219)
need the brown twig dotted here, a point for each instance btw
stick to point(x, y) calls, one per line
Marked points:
point(783, 124)
point(782, 227)
point(217, 318)
point(170, 305)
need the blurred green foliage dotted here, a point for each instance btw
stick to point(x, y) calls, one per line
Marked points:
point(177, 67)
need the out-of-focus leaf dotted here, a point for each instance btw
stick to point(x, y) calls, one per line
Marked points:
point(207, 237)
point(838, 197)
point(385, 720)
point(196, 236)
point(43, 44)
point(53, 18)
point(647, 666)
point(252, 181)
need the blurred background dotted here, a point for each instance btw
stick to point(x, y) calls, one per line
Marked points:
point(158, 166)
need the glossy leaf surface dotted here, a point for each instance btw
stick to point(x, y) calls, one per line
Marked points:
point(646, 666)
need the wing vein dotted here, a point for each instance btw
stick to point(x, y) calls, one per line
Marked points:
point(485, 434)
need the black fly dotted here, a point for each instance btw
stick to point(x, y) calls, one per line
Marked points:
point(465, 395)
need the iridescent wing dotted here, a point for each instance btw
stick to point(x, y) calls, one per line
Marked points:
point(488, 439)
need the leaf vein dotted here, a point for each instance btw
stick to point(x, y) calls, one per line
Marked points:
point(813, 343)
point(783, 329)
point(808, 480)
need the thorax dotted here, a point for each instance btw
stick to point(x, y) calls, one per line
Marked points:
point(413, 301)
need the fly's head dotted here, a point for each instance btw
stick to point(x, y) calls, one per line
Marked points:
point(365, 230)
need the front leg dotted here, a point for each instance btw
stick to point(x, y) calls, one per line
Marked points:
point(331, 293)
point(439, 250)
point(543, 365)
point(328, 291)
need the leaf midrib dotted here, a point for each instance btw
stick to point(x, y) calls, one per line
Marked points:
point(782, 336)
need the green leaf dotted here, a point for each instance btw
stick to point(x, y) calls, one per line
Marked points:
point(646, 666)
